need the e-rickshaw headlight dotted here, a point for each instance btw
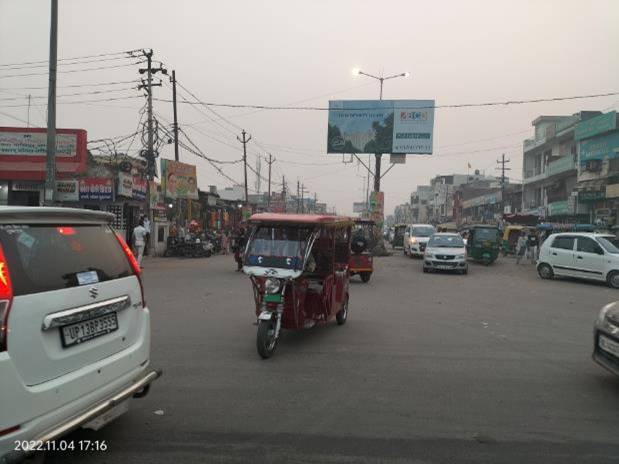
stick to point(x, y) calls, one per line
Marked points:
point(272, 285)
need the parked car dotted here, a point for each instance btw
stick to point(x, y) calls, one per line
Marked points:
point(584, 255)
point(606, 338)
point(75, 329)
point(416, 237)
point(445, 252)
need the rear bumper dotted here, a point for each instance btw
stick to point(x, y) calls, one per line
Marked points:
point(138, 387)
point(604, 359)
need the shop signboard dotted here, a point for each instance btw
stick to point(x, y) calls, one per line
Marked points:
point(612, 191)
point(96, 189)
point(594, 126)
point(559, 208)
point(23, 152)
point(67, 190)
point(26, 186)
point(591, 195)
point(125, 185)
point(381, 126)
point(359, 207)
point(599, 148)
point(140, 185)
point(179, 180)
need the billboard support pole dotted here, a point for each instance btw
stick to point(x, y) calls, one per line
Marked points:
point(50, 178)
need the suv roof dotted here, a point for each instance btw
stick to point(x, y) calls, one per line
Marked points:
point(47, 214)
point(582, 234)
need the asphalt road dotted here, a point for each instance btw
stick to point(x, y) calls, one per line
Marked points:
point(490, 367)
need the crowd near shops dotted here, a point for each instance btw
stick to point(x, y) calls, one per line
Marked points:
point(570, 176)
point(171, 208)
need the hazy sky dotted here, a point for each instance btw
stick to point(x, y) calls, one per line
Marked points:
point(287, 51)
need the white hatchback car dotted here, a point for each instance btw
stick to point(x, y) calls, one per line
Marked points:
point(585, 255)
point(75, 330)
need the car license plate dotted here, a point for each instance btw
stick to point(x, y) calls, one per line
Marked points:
point(443, 266)
point(608, 345)
point(107, 417)
point(276, 298)
point(87, 330)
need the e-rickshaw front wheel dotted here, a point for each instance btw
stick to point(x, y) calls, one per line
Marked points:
point(342, 314)
point(266, 340)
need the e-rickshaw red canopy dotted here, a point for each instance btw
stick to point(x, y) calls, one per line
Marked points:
point(301, 219)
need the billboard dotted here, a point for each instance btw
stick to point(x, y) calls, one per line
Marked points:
point(359, 207)
point(67, 190)
point(381, 126)
point(178, 180)
point(23, 152)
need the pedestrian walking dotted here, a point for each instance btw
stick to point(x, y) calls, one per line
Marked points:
point(225, 242)
point(532, 246)
point(146, 223)
point(139, 241)
point(239, 246)
point(521, 247)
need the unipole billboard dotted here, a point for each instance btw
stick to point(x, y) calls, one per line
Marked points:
point(381, 126)
point(178, 180)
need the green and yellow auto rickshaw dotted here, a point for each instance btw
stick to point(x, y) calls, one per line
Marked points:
point(483, 243)
point(398, 236)
point(510, 238)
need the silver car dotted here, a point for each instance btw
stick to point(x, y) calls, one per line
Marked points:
point(606, 338)
point(445, 252)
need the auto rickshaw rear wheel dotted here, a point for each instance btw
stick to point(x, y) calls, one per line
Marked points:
point(342, 314)
point(365, 277)
point(265, 339)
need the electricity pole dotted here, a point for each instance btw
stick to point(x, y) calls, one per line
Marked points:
point(270, 162)
point(284, 191)
point(150, 146)
point(244, 141)
point(298, 194)
point(50, 178)
point(503, 162)
point(175, 115)
point(302, 199)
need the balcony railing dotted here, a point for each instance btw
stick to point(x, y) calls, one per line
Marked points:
point(563, 164)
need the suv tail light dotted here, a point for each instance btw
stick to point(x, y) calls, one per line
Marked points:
point(133, 262)
point(6, 298)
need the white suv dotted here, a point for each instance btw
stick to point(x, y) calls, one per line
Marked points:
point(75, 330)
point(416, 238)
point(585, 255)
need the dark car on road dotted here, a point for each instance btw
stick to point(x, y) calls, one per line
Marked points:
point(606, 338)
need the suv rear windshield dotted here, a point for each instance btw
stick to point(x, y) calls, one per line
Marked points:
point(41, 258)
point(422, 231)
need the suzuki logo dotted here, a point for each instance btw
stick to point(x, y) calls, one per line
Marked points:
point(94, 292)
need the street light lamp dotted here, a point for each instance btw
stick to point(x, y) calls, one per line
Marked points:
point(380, 79)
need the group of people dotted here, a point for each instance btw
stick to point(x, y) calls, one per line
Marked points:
point(527, 246)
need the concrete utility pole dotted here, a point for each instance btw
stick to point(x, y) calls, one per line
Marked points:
point(173, 79)
point(503, 162)
point(50, 166)
point(270, 162)
point(302, 199)
point(298, 194)
point(244, 141)
point(284, 192)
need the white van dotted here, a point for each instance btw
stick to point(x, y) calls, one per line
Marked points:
point(75, 329)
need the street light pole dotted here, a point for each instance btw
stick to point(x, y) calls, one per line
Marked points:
point(381, 80)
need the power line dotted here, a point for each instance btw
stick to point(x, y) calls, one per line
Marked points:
point(75, 70)
point(94, 92)
point(458, 105)
point(13, 117)
point(96, 84)
point(129, 52)
point(77, 102)
point(32, 66)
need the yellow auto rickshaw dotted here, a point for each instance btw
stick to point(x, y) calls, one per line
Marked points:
point(510, 238)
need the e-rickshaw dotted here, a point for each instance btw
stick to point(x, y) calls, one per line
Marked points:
point(483, 243)
point(510, 239)
point(298, 266)
point(398, 236)
point(361, 261)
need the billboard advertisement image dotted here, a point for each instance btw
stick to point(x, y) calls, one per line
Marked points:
point(381, 126)
point(178, 180)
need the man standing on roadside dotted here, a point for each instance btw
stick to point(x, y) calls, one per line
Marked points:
point(139, 241)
